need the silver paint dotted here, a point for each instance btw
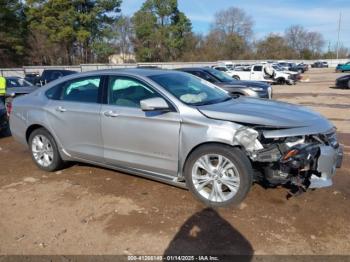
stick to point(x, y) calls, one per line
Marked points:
point(155, 145)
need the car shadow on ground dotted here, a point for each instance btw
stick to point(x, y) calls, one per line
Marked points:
point(335, 87)
point(206, 233)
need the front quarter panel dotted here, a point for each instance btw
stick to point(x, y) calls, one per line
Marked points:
point(196, 129)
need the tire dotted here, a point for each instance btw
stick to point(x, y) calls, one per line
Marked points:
point(49, 160)
point(236, 77)
point(237, 94)
point(281, 81)
point(349, 84)
point(239, 175)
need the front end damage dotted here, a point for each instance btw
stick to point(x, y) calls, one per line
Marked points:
point(299, 162)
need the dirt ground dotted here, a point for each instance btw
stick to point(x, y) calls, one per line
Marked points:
point(91, 210)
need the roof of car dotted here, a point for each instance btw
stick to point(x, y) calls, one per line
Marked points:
point(12, 77)
point(192, 68)
point(58, 70)
point(135, 71)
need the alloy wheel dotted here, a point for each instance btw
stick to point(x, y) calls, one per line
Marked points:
point(42, 150)
point(215, 177)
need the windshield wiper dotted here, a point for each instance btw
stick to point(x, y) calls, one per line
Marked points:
point(210, 102)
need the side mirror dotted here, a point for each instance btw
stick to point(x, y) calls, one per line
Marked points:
point(154, 104)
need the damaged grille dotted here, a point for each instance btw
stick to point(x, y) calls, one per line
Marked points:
point(287, 159)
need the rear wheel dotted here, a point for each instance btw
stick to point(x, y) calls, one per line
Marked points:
point(44, 150)
point(218, 175)
point(236, 77)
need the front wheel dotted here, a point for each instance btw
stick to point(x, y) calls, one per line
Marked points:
point(218, 175)
point(236, 77)
point(281, 81)
point(44, 150)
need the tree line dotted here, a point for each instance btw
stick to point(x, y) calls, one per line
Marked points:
point(57, 32)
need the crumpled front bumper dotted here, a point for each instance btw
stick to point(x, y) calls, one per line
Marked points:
point(329, 160)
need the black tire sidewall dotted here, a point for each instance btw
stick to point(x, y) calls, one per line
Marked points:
point(238, 158)
point(57, 161)
point(281, 81)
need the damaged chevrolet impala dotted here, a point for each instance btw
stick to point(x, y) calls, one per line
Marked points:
point(173, 127)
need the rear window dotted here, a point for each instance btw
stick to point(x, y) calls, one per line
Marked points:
point(83, 90)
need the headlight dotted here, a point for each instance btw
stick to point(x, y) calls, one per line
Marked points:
point(258, 89)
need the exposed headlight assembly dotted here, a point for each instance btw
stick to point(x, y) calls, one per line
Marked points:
point(248, 138)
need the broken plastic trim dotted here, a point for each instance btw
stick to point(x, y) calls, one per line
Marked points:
point(247, 137)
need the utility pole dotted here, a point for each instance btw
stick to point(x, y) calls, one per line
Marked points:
point(338, 35)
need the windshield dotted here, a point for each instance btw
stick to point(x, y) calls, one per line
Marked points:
point(278, 68)
point(223, 77)
point(190, 89)
point(17, 82)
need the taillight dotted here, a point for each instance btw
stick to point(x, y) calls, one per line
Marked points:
point(8, 108)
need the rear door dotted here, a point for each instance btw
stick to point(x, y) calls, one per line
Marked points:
point(136, 139)
point(74, 115)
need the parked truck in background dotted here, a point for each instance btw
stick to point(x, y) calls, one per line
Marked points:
point(264, 73)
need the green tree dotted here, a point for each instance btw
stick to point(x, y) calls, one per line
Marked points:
point(160, 31)
point(12, 33)
point(82, 28)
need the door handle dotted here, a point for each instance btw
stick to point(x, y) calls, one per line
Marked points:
point(111, 113)
point(61, 109)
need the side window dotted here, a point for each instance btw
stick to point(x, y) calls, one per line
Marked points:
point(55, 75)
point(257, 68)
point(83, 90)
point(207, 77)
point(55, 92)
point(128, 92)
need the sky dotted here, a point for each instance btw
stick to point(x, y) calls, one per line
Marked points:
point(270, 16)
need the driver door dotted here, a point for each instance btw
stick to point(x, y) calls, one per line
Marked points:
point(257, 73)
point(136, 139)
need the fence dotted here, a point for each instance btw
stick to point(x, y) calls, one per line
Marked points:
point(171, 65)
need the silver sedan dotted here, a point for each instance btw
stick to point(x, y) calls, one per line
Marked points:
point(176, 128)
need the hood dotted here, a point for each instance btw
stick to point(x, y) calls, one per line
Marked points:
point(266, 113)
point(246, 83)
point(346, 77)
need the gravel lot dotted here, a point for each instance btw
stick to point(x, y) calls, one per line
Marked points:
point(90, 210)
